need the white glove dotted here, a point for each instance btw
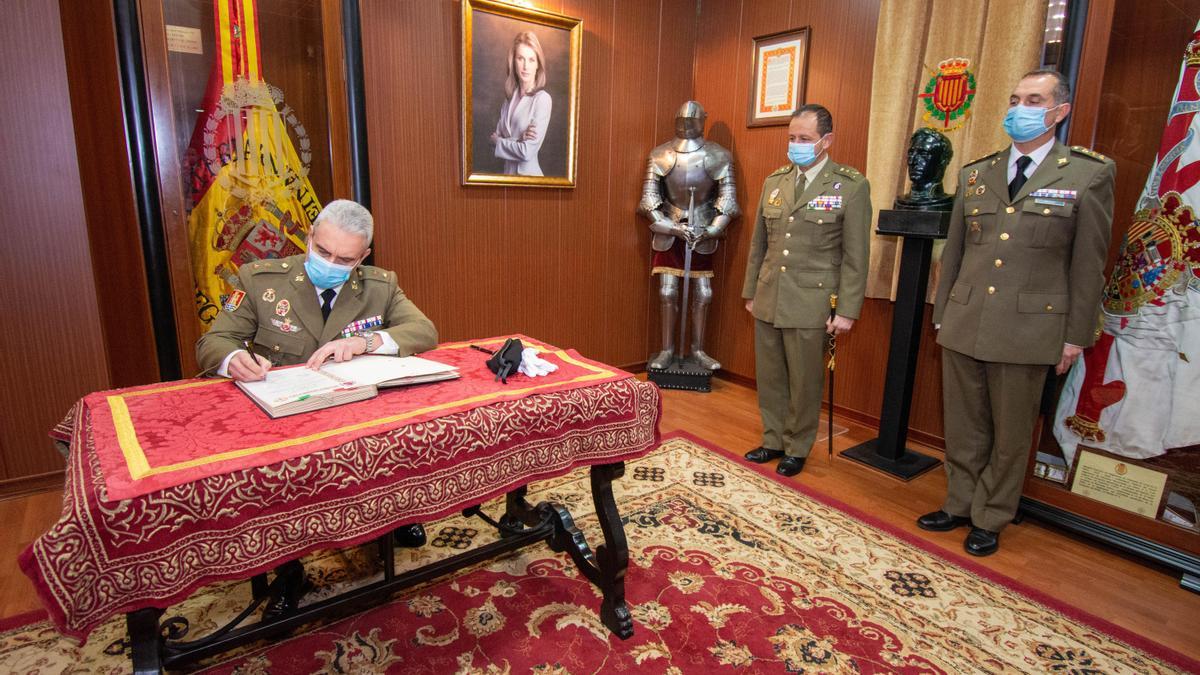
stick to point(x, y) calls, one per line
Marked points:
point(533, 365)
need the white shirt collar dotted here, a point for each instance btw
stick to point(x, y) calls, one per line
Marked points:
point(1038, 156)
point(811, 173)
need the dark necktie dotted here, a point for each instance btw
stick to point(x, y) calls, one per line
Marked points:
point(801, 182)
point(326, 307)
point(1018, 180)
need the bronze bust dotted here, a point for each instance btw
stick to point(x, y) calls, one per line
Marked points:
point(929, 153)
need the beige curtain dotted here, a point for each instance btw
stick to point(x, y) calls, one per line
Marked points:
point(1003, 40)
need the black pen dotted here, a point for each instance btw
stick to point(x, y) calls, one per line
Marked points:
point(481, 349)
point(253, 357)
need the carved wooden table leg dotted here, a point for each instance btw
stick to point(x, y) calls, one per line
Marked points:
point(612, 557)
point(145, 641)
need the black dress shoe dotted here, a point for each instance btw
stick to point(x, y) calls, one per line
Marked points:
point(940, 521)
point(982, 542)
point(761, 455)
point(410, 536)
point(790, 466)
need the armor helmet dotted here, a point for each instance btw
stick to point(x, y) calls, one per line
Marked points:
point(689, 121)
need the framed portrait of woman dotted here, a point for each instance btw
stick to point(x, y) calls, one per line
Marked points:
point(520, 95)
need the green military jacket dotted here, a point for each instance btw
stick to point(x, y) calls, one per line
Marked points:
point(807, 247)
point(280, 314)
point(1021, 277)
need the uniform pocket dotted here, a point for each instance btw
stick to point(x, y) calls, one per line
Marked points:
point(979, 215)
point(274, 344)
point(960, 293)
point(1051, 224)
point(1042, 303)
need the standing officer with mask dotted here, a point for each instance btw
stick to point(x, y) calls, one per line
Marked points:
point(811, 240)
point(1022, 275)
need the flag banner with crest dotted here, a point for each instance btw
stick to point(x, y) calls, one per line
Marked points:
point(1136, 392)
point(248, 193)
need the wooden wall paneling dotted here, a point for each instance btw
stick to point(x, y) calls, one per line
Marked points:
point(1085, 106)
point(337, 107)
point(630, 300)
point(47, 285)
point(170, 184)
point(89, 40)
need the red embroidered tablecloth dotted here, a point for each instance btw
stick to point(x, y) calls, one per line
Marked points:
point(107, 556)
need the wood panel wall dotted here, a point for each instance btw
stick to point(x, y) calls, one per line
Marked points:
point(52, 351)
point(567, 266)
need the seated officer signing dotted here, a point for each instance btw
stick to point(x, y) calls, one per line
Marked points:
point(308, 309)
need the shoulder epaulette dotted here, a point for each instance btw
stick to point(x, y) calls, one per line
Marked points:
point(264, 266)
point(1088, 152)
point(848, 171)
point(374, 273)
point(986, 157)
point(782, 170)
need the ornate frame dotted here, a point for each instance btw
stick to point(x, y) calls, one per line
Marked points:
point(781, 113)
point(537, 17)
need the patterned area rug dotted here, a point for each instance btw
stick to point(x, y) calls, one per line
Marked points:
point(730, 569)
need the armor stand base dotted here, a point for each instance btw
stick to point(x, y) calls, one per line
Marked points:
point(684, 374)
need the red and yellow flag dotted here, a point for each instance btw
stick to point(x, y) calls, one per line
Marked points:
point(249, 196)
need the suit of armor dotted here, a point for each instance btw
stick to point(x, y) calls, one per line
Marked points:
point(687, 171)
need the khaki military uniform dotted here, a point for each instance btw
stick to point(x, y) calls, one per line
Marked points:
point(1020, 278)
point(805, 247)
point(280, 314)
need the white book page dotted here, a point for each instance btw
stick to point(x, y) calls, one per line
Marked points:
point(373, 369)
point(285, 385)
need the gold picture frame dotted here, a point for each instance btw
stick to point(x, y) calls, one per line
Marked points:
point(515, 131)
point(778, 77)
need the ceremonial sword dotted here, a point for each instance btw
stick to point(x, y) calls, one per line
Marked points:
point(832, 355)
point(687, 275)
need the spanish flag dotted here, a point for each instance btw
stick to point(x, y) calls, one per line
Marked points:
point(249, 196)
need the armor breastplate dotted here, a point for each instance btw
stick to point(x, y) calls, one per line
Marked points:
point(689, 172)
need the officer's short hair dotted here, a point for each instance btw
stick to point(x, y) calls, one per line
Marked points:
point(350, 217)
point(1062, 88)
point(824, 118)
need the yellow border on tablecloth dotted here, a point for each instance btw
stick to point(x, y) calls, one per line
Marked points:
point(139, 466)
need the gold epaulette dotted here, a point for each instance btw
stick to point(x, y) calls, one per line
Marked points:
point(782, 170)
point(986, 158)
point(1088, 152)
point(848, 171)
point(374, 273)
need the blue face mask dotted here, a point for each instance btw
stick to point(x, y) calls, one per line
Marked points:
point(802, 153)
point(325, 274)
point(1025, 123)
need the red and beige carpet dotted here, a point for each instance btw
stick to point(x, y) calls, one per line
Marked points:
point(731, 570)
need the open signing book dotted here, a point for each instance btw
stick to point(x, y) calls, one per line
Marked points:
point(297, 389)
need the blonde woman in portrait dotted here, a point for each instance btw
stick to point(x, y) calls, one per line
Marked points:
point(526, 111)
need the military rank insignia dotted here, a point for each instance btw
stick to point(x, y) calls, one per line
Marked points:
point(269, 295)
point(980, 190)
point(973, 177)
point(775, 199)
point(234, 301)
point(362, 324)
point(826, 203)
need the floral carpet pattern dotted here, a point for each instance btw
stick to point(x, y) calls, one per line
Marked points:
point(730, 571)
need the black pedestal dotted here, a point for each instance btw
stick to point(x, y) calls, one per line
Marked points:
point(887, 452)
point(682, 374)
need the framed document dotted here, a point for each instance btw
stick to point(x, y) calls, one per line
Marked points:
point(520, 95)
point(777, 82)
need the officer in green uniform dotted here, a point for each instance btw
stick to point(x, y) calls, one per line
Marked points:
point(811, 240)
point(309, 309)
point(1022, 274)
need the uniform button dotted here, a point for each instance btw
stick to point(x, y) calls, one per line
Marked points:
point(953, 295)
point(275, 348)
point(789, 234)
point(974, 212)
point(998, 263)
point(284, 265)
point(991, 290)
point(820, 221)
point(791, 219)
point(1010, 210)
point(1049, 308)
point(1045, 212)
point(783, 268)
point(1003, 236)
point(785, 251)
point(820, 284)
